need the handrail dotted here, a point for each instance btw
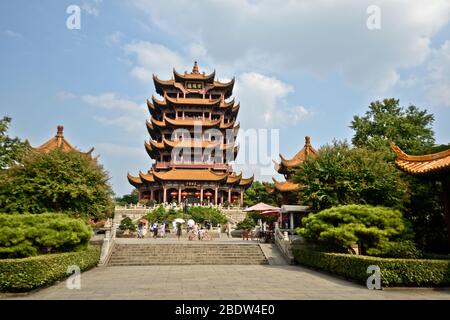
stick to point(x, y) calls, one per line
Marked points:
point(283, 242)
point(108, 244)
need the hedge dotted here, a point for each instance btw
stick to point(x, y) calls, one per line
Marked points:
point(25, 274)
point(394, 272)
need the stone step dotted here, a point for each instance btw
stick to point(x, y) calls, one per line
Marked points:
point(186, 254)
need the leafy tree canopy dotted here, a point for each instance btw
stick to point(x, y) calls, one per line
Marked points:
point(58, 181)
point(385, 122)
point(257, 193)
point(341, 175)
point(11, 149)
point(131, 198)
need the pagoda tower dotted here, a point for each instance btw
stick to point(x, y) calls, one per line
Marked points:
point(192, 140)
point(287, 191)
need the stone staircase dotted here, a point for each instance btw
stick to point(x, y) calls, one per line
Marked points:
point(186, 254)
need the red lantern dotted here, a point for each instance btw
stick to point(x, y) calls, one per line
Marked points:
point(174, 193)
point(197, 194)
point(234, 197)
point(184, 194)
point(208, 194)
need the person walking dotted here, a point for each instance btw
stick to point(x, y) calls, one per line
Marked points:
point(229, 230)
point(179, 231)
point(163, 230)
point(155, 230)
point(140, 230)
point(219, 229)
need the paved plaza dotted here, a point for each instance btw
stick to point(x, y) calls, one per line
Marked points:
point(220, 282)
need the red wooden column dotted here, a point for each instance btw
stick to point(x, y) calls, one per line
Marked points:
point(242, 198)
point(179, 195)
point(164, 194)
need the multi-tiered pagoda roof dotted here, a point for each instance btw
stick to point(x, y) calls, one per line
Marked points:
point(188, 102)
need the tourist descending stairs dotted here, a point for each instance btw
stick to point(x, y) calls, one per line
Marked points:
point(186, 254)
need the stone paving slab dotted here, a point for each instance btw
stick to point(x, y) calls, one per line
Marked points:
point(220, 282)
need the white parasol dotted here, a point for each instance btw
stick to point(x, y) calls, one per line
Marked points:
point(179, 220)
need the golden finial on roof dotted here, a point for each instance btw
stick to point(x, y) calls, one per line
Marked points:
point(307, 141)
point(59, 133)
point(195, 68)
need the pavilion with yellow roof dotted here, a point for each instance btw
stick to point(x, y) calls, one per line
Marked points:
point(287, 190)
point(192, 140)
point(59, 142)
point(434, 166)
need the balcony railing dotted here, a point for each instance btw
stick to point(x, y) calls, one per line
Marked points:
point(170, 164)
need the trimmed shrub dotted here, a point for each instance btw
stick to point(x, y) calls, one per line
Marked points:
point(394, 272)
point(246, 224)
point(338, 228)
point(21, 275)
point(403, 249)
point(202, 214)
point(24, 235)
point(127, 224)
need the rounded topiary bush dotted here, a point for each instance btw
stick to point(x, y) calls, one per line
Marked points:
point(374, 229)
point(24, 235)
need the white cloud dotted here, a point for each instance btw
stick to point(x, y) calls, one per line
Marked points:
point(153, 58)
point(322, 37)
point(117, 150)
point(437, 82)
point(110, 100)
point(114, 38)
point(92, 7)
point(124, 113)
point(264, 103)
point(11, 34)
point(65, 95)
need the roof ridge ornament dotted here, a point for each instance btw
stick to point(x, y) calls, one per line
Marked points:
point(59, 132)
point(195, 68)
point(307, 141)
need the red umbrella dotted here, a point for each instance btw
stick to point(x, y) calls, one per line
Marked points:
point(184, 193)
point(208, 194)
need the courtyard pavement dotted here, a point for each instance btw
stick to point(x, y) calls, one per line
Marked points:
point(220, 282)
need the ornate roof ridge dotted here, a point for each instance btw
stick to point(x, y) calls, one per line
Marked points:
point(401, 155)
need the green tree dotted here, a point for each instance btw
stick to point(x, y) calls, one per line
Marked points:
point(131, 198)
point(341, 175)
point(58, 181)
point(411, 129)
point(11, 149)
point(257, 193)
point(373, 228)
point(385, 122)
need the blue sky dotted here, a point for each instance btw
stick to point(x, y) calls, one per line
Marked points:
point(303, 67)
